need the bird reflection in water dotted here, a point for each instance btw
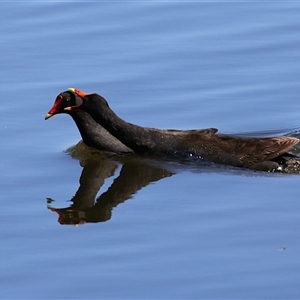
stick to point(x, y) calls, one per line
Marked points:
point(136, 172)
point(134, 175)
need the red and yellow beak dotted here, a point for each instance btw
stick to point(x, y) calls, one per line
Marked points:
point(55, 108)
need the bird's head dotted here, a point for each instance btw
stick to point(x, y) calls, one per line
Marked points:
point(68, 99)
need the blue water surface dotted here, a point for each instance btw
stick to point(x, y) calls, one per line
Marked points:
point(190, 230)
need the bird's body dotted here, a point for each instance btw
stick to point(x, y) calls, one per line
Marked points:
point(204, 143)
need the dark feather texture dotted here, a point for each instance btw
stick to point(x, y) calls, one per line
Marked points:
point(206, 143)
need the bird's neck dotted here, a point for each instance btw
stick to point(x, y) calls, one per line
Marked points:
point(139, 139)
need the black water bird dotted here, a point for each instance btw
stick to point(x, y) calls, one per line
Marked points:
point(207, 144)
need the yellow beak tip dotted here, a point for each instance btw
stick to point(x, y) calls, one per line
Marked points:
point(48, 116)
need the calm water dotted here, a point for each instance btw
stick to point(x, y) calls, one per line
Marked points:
point(157, 229)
